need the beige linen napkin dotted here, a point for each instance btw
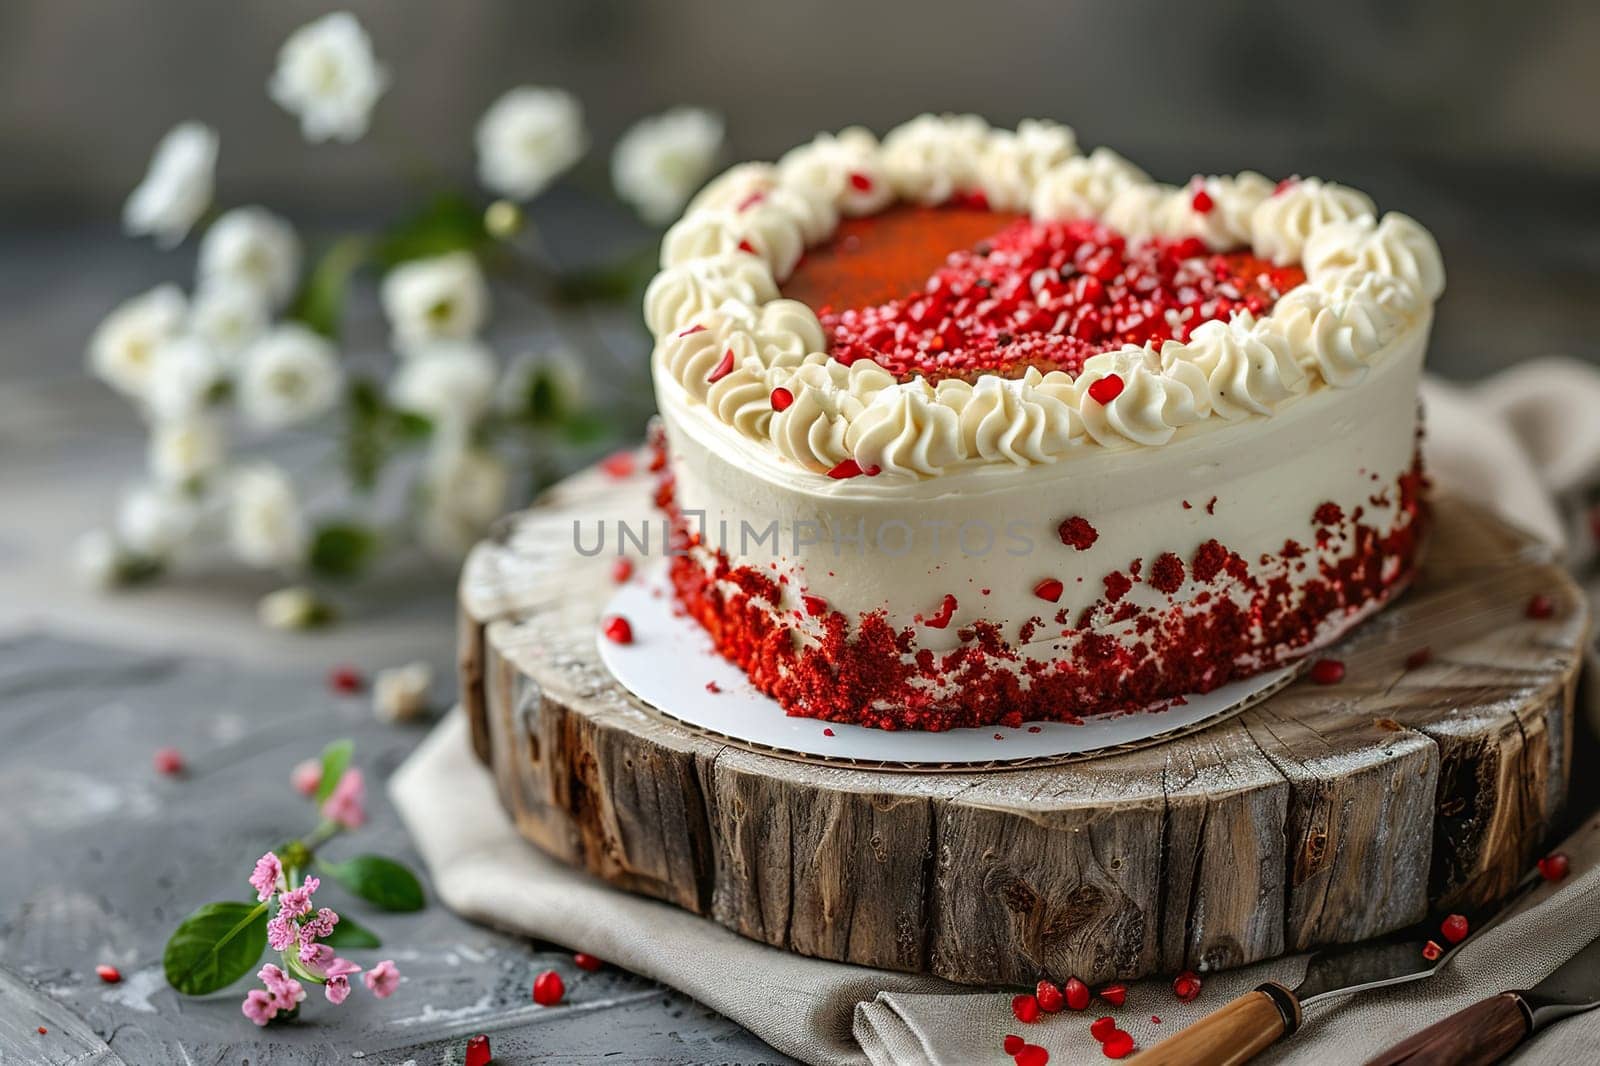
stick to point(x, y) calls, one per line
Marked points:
point(1526, 444)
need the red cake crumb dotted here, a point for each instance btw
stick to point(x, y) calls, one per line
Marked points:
point(1166, 573)
point(1076, 532)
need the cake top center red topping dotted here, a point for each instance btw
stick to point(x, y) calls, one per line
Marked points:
point(1015, 293)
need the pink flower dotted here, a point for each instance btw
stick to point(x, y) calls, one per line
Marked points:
point(298, 901)
point(285, 991)
point(315, 957)
point(281, 932)
point(267, 874)
point(258, 1006)
point(382, 979)
point(320, 927)
point(338, 987)
point(306, 777)
point(347, 804)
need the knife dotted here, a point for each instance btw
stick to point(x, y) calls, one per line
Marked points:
point(1241, 1029)
point(1491, 1029)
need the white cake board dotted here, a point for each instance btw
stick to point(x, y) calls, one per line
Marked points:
point(671, 662)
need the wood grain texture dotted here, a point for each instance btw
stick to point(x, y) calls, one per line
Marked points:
point(1480, 1035)
point(1235, 1033)
point(1324, 815)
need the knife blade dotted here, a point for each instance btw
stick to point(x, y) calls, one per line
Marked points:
point(1491, 1029)
point(1243, 1028)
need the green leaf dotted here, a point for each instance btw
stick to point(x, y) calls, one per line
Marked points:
point(585, 427)
point(342, 549)
point(320, 302)
point(215, 946)
point(382, 882)
point(451, 223)
point(350, 933)
point(619, 282)
point(335, 758)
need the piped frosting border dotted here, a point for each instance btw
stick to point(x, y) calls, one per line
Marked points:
point(758, 362)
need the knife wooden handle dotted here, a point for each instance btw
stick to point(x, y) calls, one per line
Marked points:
point(1235, 1033)
point(1480, 1035)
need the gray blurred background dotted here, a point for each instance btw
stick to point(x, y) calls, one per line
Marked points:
point(1478, 118)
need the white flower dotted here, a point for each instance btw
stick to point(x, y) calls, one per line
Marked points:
point(527, 139)
point(266, 526)
point(97, 560)
point(295, 607)
point(252, 246)
point(185, 449)
point(228, 316)
point(185, 374)
point(177, 188)
point(435, 299)
point(124, 345)
point(400, 693)
point(662, 160)
point(464, 489)
point(155, 520)
point(290, 375)
point(549, 383)
point(329, 77)
point(450, 382)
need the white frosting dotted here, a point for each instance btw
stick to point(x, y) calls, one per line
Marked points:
point(734, 186)
point(1022, 421)
point(1225, 224)
point(906, 430)
point(1083, 186)
point(679, 294)
point(778, 334)
point(1337, 329)
point(1134, 210)
point(1397, 246)
point(1013, 161)
point(743, 399)
point(767, 230)
point(811, 430)
point(1154, 402)
point(933, 157)
point(1249, 365)
point(847, 168)
point(1281, 224)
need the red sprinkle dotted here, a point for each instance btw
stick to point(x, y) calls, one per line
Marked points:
point(1106, 389)
point(1541, 606)
point(346, 680)
point(1202, 201)
point(815, 605)
point(1076, 532)
point(42, 1030)
point(1118, 1045)
point(1155, 1019)
point(617, 630)
point(747, 247)
point(620, 464)
point(1116, 995)
point(1077, 994)
point(781, 398)
point(1031, 1055)
point(941, 618)
point(109, 974)
point(827, 732)
point(586, 961)
point(1013, 1043)
point(1186, 986)
point(713, 688)
point(1026, 1008)
point(1431, 951)
point(1102, 1028)
point(548, 988)
point(169, 761)
point(1455, 928)
point(477, 1051)
point(860, 182)
point(847, 468)
point(1419, 658)
point(1048, 993)
point(723, 368)
point(1555, 866)
point(1327, 671)
point(621, 570)
point(1049, 589)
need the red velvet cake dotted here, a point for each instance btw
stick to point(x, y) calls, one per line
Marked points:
point(965, 428)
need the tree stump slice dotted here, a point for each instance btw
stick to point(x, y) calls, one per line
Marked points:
point(1326, 814)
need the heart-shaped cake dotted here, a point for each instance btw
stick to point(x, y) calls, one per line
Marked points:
point(966, 428)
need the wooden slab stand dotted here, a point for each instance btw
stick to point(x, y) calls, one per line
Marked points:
point(1326, 814)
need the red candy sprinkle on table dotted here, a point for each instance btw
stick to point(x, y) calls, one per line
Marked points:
point(346, 680)
point(619, 465)
point(1186, 986)
point(1031, 1055)
point(1455, 928)
point(1116, 995)
point(1118, 1045)
point(548, 988)
point(1431, 951)
point(1049, 589)
point(1048, 993)
point(1555, 866)
point(1026, 1008)
point(169, 761)
point(1013, 1043)
point(1077, 994)
point(617, 630)
point(1101, 1028)
point(477, 1051)
point(585, 961)
point(109, 974)
point(621, 570)
point(1541, 606)
point(1327, 671)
